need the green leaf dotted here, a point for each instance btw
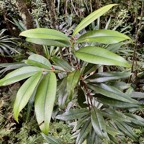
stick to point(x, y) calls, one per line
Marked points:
point(44, 33)
point(112, 92)
point(98, 123)
point(19, 74)
point(103, 36)
point(46, 36)
point(112, 131)
point(61, 93)
point(51, 139)
point(44, 101)
point(84, 131)
point(137, 120)
point(48, 42)
point(90, 68)
point(108, 76)
point(92, 137)
point(115, 103)
point(10, 66)
point(114, 115)
point(93, 16)
point(97, 55)
point(126, 130)
point(72, 81)
point(39, 61)
point(24, 93)
point(62, 63)
point(73, 114)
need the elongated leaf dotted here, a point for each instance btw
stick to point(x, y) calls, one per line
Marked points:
point(113, 114)
point(44, 101)
point(72, 81)
point(84, 132)
point(108, 76)
point(19, 74)
point(137, 120)
point(62, 63)
point(112, 131)
point(48, 42)
point(51, 139)
point(62, 94)
point(24, 93)
point(90, 68)
point(93, 16)
point(46, 36)
point(39, 61)
point(114, 47)
point(97, 55)
point(112, 92)
point(44, 33)
point(126, 130)
point(98, 124)
point(73, 114)
point(92, 137)
point(115, 103)
point(103, 36)
point(10, 66)
point(81, 121)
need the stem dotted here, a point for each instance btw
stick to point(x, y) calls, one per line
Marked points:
point(89, 97)
point(138, 28)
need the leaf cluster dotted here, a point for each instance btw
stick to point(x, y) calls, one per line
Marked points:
point(76, 75)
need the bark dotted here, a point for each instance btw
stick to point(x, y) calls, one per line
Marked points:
point(28, 21)
point(52, 12)
point(25, 14)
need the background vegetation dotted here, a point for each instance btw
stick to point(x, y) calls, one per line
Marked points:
point(63, 15)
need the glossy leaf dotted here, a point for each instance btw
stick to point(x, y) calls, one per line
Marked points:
point(19, 74)
point(51, 139)
point(62, 63)
point(126, 130)
point(73, 114)
point(81, 121)
point(61, 92)
point(10, 66)
point(108, 76)
point(112, 92)
point(115, 103)
point(97, 55)
point(137, 120)
point(46, 36)
point(39, 61)
point(90, 68)
point(44, 101)
point(59, 43)
point(93, 16)
point(98, 123)
point(44, 33)
point(103, 36)
point(25, 92)
point(113, 114)
point(112, 130)
point(72, 80)
point(92, 138)
point(84, 131)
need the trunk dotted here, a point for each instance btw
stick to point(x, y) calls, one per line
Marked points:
point(28, 21)
point(25, 14)
point(52, 12)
